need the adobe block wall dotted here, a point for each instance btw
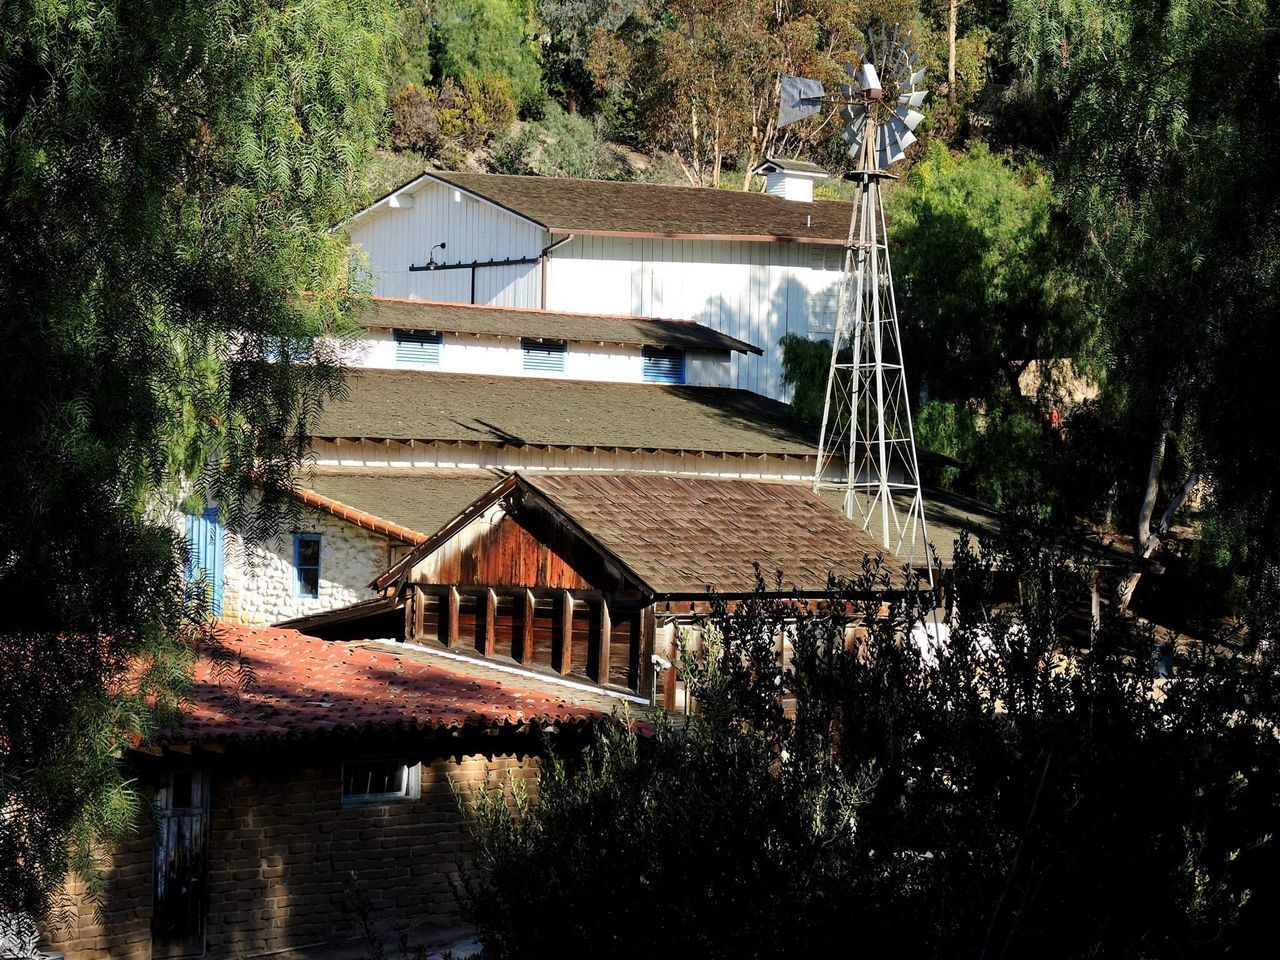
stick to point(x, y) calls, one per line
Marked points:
point(285, 858)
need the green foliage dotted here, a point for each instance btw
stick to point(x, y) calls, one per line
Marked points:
point(169, 174)
point(806, 364)
point(436, 121)
point(1158, 171)
point(996, 795)
point(979, 292)
point(558, 145)
point(489, 38)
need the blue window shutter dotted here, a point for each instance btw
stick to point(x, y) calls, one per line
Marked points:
point(206, 547)
point(544, 355)
point(663, 365)
point(306, 564)
point(418, 346)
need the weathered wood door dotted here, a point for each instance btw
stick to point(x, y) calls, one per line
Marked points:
point(181, 865)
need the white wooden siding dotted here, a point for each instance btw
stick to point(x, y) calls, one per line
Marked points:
point(503, 358)
point(756, 292)
point(394, 238)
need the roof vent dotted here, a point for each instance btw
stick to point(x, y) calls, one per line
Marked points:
point(790, 179)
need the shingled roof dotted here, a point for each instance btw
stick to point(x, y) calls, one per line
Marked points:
point(451, 407)
point(682, 536)
point(618, 208)
point(418, 502)
point(303, 686)
point(483, 320)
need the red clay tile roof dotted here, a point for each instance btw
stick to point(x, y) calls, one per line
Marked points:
point(608, 207)
point(512, 322)
point(303, 686)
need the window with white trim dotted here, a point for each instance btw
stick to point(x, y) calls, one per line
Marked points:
point(380, 780)
point(544, 356)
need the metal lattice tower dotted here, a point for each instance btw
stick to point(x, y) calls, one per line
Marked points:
point(866, 420)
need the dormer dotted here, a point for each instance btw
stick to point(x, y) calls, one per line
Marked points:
point(790, 179)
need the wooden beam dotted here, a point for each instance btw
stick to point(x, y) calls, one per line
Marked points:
point(526, 634)
point(490, 620)
point(418, 601)
point(602, 643)
point(565, 663)
point(648, 630)
point(455, 606)
point(408, 615)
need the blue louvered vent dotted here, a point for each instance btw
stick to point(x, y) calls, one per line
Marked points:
point(417, 346)
point(546, 356)
point(663, 365)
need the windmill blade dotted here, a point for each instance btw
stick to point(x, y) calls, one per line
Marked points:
point(910, 118)
point(913, 99)
point(916, 77)
point(798, 99)
point(905, 137)
point(854, 133)
point(853, 113)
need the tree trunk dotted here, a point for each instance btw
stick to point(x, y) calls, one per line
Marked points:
point(953, 15)
point(1147, 540)
point(571, 101)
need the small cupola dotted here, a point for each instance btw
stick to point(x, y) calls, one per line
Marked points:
point(790, 179)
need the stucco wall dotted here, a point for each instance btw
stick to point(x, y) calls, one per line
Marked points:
point(259, 584)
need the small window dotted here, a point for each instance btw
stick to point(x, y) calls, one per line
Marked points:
point(663, 365)
point(306, 564)
point(418, 346)
point(546, 356)
point(383, 780)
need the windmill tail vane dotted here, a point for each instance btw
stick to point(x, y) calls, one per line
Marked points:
point(866, 447)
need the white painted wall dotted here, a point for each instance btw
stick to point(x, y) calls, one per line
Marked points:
point(756, 292)
point(393, 238)
point(258, 583)
point(753, 291)
point(495, 356)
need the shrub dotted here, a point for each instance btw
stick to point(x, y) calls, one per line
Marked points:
point(558, 145)
point(1001, 795)
point(452, 116)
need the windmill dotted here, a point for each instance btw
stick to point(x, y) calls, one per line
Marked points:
point(866, 420)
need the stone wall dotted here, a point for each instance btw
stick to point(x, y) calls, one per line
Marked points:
point(286, 857)
point(259, 581)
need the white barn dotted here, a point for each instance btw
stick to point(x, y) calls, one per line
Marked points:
point(750, 265)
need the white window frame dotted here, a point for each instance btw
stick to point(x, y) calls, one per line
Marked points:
point(412, 782)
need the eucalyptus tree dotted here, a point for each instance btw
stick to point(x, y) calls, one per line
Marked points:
point(169, 173)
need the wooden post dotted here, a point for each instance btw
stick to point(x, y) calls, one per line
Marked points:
point(526, 634)
point(418, 601)
point(602, 643)
point(490, 621)
point(455, 608)
point(565, 663)
point(648, 630)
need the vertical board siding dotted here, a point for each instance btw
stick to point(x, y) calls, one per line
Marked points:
point(471, 230)
point(756, 292)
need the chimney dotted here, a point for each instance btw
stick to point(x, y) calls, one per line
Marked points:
point(790, 179)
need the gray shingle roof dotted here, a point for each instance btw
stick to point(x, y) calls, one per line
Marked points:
point(469, 318)
point(615, 207)
point(417, 405)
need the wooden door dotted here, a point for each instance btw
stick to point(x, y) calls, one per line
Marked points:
point(181, 865)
